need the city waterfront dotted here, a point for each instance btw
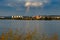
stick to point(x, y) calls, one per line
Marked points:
point(32, 21)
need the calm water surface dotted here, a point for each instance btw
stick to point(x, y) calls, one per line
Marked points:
point(42, 26)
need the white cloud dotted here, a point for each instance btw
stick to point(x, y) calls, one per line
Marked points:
point(10, 5)
point(35, 3)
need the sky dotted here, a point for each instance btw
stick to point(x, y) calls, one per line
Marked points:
point(16, 7)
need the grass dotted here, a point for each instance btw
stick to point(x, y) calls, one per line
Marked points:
point(28, 36)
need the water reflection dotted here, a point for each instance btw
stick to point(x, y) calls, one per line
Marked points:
point(42, 26)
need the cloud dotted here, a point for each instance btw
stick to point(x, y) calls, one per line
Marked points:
point(36, 3)
point(14, 3)
point(17, 3)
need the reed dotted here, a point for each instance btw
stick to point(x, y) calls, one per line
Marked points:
point(28, 36)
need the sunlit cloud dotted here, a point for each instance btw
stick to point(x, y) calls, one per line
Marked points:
point(35, 3)
point(28, 3)
point(43, 6)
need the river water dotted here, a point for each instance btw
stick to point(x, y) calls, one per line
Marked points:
point(43, 26)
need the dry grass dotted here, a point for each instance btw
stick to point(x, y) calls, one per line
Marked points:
point(29, 36)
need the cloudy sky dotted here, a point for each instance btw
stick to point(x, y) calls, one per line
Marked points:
point(16, 7)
